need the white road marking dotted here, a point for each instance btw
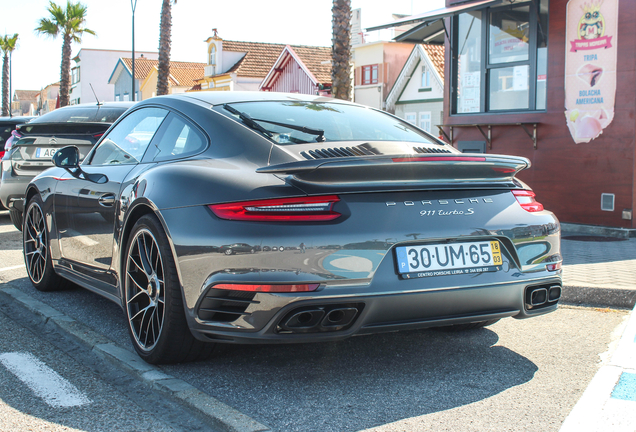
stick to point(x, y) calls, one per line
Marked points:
point(11, 268)
point(306, 262)
point(43, 381)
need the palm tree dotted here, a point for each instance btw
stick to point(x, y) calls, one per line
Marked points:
point(69, 23)
point(7, 45)
point(165, 28)
point(341, 49)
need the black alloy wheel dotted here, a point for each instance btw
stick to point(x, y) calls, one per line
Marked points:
point(154, 306)
point(37, 258)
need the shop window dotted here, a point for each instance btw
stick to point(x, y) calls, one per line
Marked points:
point(370, 74)
point(501, 58)
point(425, 121)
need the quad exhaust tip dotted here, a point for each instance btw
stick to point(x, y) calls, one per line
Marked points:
point(320, 319)
point(542, 296)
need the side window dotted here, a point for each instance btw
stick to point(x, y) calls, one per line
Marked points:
point(128, 141)
point(176, 139)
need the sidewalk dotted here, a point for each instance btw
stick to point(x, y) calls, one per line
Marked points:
point(604, 273)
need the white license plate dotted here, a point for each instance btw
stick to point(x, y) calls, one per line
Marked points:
point(448, 259)
point(45, 152)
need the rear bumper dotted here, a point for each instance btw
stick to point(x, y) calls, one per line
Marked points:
point(377, 313)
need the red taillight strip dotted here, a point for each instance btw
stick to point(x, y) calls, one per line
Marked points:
point(440, 159)
point(526, 200)
point(300, 209)
point(268, 288)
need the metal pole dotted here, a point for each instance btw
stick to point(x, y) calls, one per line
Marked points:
point(10, 83)
point(133, 6)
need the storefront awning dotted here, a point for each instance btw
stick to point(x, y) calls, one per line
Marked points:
point(430, 25)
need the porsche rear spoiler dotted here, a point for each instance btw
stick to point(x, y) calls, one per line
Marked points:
point(443, 171)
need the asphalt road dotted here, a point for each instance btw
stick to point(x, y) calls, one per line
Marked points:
point(515, 375)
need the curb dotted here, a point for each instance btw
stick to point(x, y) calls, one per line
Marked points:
point(595, 296)
point(609, 402)
point(219, 415)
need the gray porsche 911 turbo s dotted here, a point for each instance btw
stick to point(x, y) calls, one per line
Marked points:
point(356, 222)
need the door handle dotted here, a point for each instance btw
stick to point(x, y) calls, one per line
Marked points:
point(107, 200)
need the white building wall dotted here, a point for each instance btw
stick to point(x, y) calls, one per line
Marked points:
point(435, 108)
point(96, 67)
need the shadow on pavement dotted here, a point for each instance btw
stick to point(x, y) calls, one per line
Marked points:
point(360, 382)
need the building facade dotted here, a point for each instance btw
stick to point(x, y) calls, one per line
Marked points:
point(553, 81)
point(304, 70)
point(182, 77)
point(239, 66)
point(418, 93)
point(93, 67)
point(376, 67)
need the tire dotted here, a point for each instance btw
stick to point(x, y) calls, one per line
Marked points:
point(228, 252)
point(36, 248)
point(468, 326)
point(252, 251)
point(154, 304)
point(16, 218)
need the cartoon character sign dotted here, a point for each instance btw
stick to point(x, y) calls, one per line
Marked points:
point(590, 67)
point(592, 24)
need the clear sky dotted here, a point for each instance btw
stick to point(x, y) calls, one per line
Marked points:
point(36, 61)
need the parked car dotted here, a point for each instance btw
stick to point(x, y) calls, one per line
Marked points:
point(38, 140)
point(237, 248)
point(182, 175)
point(7, 126)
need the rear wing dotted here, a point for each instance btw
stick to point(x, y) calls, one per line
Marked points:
point(438, 171)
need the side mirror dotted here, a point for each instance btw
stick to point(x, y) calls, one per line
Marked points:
point(67, 157)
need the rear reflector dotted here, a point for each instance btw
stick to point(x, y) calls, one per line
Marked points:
point(527, 201)
point(268, 288)
point(301, 209)
point(440, 159)
point(553, 267)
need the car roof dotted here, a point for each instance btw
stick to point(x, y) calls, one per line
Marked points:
point(218, 98)
point(15, 120)
point(88, 108)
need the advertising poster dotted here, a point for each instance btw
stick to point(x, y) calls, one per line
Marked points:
point(590, 67)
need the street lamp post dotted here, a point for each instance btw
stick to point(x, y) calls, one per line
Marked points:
point(133, 5)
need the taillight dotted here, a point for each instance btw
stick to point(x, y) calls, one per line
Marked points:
point(1, 154)
point(554, 267)
point(98, 136)
point(526, 199)
point(281, 288)
point(302, 209)
point(15, 136)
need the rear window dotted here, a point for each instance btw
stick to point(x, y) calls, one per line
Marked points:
point(340, 122)
point(92, 114)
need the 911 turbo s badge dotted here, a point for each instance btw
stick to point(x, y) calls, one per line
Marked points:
point(443, 212)
point(467, 212)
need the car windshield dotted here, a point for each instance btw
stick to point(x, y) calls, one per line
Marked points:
point(91, 114)
point(340, 122)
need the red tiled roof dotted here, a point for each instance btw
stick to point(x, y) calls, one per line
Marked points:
point(436, 54)
point(260, 57)
point(26, 95)
point(317, 60)
point(182, 74)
